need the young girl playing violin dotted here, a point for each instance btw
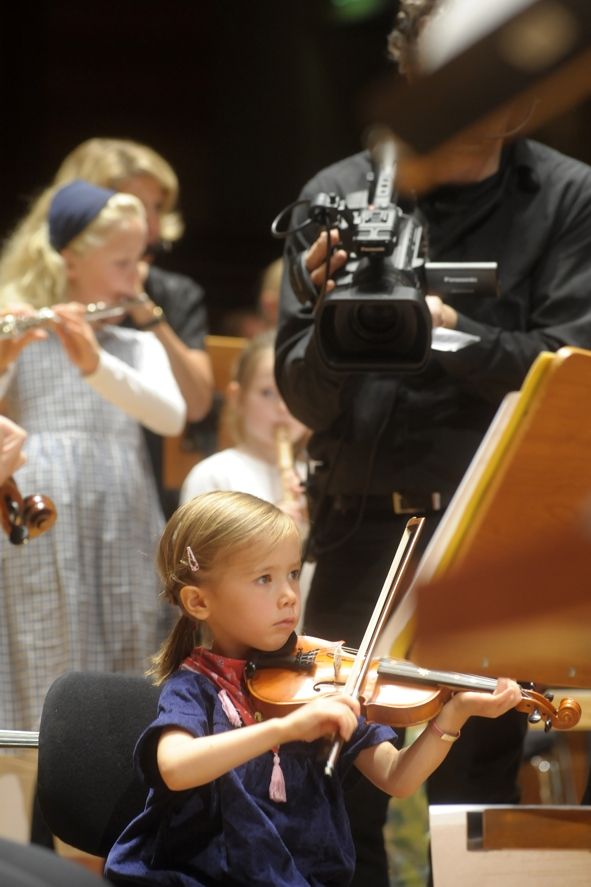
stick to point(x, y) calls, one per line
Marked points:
point(235, 799)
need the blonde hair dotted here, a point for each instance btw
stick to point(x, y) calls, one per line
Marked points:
point(39, 273)
point(218, 527)
point(110, 162)
point(243, 374)
point(269, 289)
point(271, 275)
point(107, 163)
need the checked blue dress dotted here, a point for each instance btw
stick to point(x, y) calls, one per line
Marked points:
point(84, 595)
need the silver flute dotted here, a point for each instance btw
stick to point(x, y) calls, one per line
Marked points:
point(12, 326)
point(19, 739)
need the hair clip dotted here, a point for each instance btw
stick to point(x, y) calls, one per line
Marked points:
point(192, 559)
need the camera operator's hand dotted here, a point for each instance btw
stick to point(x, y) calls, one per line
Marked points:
point(316, 260)
point(442, 314)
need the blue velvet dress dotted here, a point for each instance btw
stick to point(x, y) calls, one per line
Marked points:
point(229, 832)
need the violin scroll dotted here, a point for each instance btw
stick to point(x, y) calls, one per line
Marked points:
point(24, 518)
point(568, 714)
point(539, 707)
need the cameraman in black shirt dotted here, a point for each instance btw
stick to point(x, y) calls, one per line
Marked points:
point(387, 445)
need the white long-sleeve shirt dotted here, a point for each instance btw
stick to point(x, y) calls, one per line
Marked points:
point(147, 392)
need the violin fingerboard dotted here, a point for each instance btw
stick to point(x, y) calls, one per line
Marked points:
point(407, 671)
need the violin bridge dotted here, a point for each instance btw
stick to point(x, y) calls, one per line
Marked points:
point(336, 662)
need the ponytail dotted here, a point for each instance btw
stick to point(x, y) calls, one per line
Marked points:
point(177, 646)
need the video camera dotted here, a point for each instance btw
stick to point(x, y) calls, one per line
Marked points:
point(376, 317)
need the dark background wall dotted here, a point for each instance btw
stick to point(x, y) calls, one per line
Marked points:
point(245, 99)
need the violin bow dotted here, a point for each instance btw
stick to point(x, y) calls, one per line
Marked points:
point(381, 613)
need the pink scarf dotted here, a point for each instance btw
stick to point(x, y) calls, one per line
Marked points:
point(227, 674)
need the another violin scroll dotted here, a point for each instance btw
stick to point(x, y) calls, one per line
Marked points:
point(24, 518)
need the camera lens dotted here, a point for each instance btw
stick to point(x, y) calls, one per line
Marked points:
point(395, 325)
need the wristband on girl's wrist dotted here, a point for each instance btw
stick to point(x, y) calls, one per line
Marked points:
point(157, 318)
point(442, 734)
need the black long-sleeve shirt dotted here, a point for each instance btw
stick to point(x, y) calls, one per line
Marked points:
point(377, 432)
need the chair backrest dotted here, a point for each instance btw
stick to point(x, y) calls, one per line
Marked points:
point(28, 865)
point(183, 452)
point(88, 789)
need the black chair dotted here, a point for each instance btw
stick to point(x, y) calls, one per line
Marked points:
point(88, 790)
point(24, 865)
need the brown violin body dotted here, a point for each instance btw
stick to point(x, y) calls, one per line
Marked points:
point(394, 692)
point(24, 518)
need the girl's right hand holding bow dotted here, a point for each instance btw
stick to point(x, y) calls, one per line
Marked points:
point(186, 761)
point(325, 717)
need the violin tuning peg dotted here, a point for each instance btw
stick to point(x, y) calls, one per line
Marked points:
point(547, 725)
point(18, 534)
point(535, 717)
point(38, 514)
point(549, 696)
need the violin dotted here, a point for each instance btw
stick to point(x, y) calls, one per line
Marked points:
point(27, 517)
point(394, 692)
point(391, 691)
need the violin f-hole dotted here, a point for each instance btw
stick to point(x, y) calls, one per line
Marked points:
point(328, 686)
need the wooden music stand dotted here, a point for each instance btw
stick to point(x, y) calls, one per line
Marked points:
point(503, 585)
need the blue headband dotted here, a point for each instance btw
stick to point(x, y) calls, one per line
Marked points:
point(73, 208)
